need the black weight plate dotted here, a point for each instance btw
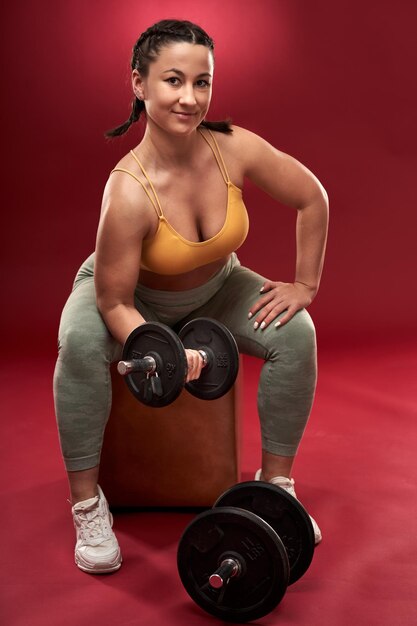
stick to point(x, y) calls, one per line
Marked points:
point(284, 513)
point(218, 533)
point(218, 376)
point(159, 341)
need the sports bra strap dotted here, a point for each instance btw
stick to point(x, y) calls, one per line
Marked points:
point(157, 206)
point(160, 213)
point(217, 155)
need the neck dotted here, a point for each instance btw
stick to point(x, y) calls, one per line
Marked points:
point(165, 149)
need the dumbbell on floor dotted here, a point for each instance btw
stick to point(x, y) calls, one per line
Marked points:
point(237, 559)
point(155, 365)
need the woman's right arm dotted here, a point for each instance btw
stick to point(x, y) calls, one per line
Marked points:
point(124, 222)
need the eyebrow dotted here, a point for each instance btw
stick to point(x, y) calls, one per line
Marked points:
point(174, 69)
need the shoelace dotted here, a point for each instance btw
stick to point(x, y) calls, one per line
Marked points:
point(285, 483)
point(93, 527)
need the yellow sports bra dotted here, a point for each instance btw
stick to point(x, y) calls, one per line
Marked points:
point(167, 252)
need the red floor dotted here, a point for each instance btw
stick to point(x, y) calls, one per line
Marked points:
point(356, 472)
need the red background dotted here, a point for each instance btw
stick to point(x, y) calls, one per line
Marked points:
point(332, 83)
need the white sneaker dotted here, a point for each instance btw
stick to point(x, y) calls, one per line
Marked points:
point(96, 550)
point(288, 485)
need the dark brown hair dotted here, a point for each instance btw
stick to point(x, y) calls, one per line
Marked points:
point(146, 50)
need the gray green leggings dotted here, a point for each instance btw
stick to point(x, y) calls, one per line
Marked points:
point(82, 384)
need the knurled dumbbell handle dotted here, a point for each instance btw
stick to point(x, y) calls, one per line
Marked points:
point(227, 569)
point(147, 364)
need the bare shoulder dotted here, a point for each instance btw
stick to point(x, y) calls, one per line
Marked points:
point(123, 188)
point(124, 198)
point(274, 171)
point(238, 135)
point(236, 140)
point(245, 148)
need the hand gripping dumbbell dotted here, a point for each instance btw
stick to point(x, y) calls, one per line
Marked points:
point(155, 364)
point(237, 559)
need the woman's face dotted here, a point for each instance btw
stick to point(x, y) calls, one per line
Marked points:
point(177, 90)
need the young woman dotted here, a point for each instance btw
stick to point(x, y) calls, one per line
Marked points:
point(172, 218)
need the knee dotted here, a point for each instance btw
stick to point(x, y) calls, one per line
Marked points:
point(297, 338)
point(301, 330)
point(81, 343)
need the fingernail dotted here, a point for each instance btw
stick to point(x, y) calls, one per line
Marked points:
point(263, 325)
point(249, 315)
point(255, 325)
point(277, 324)
point(261, 290)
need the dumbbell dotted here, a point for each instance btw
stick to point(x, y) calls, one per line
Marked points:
point(154, 361)
point(237, 559)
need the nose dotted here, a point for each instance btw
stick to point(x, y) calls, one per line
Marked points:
point(187, 95)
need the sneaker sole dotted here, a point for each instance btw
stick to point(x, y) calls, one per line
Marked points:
point(95, 570)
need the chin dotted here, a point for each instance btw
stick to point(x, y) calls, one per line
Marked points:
point(177, 127)
point(183, 129)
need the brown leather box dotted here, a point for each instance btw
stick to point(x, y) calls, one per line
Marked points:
point(185, 454)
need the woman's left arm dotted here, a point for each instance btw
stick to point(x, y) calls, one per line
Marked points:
point(291, 183)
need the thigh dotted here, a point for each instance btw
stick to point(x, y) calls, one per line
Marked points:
point(82, 329)
point(83, 334)
point(231, 306)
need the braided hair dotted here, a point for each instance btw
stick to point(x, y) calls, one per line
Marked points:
point(146, 50)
